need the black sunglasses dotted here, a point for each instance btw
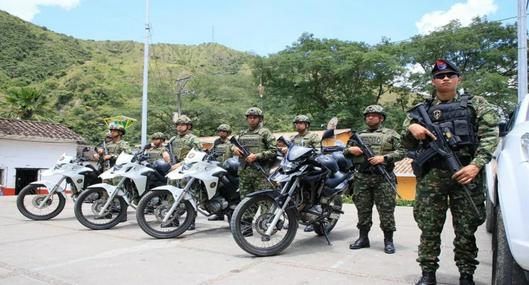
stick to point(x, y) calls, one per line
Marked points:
point(442, 75)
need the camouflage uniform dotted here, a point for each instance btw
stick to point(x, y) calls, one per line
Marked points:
point(261, 142)
point(223, 149)
point(181, 145)
point(116, 148)
point(155, 153)
point(306, 139)
point(436, 192)
point(371, 188)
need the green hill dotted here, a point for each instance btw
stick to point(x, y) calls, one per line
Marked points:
point(85, 81)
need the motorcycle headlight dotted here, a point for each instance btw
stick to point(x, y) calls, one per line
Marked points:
point(288, 166)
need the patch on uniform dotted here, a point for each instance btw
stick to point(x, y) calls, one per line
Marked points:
point(437, 114)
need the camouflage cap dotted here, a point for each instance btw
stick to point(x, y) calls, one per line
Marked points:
point(375, 109)
point(254, 111)
point(301, 118)
point(183, 119)
point(224, 127)
point(158, 135)
point(443, 66)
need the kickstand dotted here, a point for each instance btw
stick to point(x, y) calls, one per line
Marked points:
point(322, 227)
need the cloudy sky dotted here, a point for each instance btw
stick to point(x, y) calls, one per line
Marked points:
point(262, 27)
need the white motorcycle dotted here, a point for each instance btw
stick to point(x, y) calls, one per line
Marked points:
point(199, 184)
point(102, 206)
point(45, 199)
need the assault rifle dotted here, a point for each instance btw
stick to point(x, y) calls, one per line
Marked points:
point(246, 153)
point(103, 164)
point(439, 147)
point(380, 169)
point(170, 150)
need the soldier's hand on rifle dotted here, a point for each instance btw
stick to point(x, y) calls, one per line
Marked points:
point(107, 157)
point(251, 158)
point(377, 159)
point(466, 174)
point(354, 150)
point(237, 151)
point(419, 132)
point(96, 156)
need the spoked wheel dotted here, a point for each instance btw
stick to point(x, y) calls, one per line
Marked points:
point(252, 218)
point(153, 208)
point(332, 220)
point(36, 206)
point(88, 207)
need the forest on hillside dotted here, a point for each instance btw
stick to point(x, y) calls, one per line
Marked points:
point(53, 77)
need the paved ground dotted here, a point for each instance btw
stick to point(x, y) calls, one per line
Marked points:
point(62, 251)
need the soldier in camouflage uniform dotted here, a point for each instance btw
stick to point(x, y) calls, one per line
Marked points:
point(304, 137)
point(156, 150)
point(115, 146)
point(180, 145)
point(369, 186)
point(222, 148)
point(261, 144)
point(475, 124)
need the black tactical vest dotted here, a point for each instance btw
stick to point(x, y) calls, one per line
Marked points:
point(457, 120)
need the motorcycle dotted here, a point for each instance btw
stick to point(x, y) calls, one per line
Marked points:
point(102, 206)
point(45, 199)
point(312, 185)
point(200, 184)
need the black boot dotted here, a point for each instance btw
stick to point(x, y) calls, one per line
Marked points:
point(428, 278)
point(216, 217)
point(389, 248)
point(361, 242)
point(466, 279)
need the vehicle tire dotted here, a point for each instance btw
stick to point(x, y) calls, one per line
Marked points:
point(87, 205)
point(505, 270)
point(32, 211)
point(155, 204)
point(331, 223)
point(238, 230)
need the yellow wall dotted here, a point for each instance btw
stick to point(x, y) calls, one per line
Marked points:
point(406, 187)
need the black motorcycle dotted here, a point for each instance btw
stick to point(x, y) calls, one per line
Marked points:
point(312, 185)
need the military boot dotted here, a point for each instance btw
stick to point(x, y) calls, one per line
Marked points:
point(428, 278)
point(466, 279)
point(361, 242)
point(389, 248)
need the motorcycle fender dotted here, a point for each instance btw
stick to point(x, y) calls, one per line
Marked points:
point(107, 187)
point(176, 192)
point(49, 186)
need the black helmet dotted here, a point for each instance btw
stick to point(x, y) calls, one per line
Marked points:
point(162, 166)
point(231, 165)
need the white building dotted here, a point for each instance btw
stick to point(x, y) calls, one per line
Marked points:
point(28, 147)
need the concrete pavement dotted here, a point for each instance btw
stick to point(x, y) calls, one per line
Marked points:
point(62, 251)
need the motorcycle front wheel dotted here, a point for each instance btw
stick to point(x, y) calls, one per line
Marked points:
point(252, 218)
point(88, 206)
point(152, 210)
point(29, 203)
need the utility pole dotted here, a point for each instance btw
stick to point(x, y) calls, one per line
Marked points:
point(145, 75)
point(180, 84)
point(522, 49)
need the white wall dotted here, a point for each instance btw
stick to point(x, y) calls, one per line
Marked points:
point(27, 154)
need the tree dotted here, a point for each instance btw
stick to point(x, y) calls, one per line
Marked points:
point(24, 103)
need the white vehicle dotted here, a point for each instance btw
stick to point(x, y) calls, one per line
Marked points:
point(199, 184)
point(507, 206)
point(45, 199)
point(102, 206)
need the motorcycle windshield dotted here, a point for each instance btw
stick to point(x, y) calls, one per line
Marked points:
point(194, 156)
point(65, 159)
point(297, 151)
point(124, 158)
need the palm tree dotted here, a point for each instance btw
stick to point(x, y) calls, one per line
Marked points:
point(23, 102)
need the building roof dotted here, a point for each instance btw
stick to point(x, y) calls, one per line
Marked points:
point(37, 131)
point(403, 167)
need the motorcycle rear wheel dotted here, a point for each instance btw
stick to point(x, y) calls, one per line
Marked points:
point(257, 210)
point(88, 204)
point(32, 211)
point(153, 207)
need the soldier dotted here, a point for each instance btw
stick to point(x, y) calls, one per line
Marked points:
point(474, 127)
point(222, 147)
point(156, 149)
point(304, 137)
point(114, 146)
point(261, 144)
point(180, 145)
point(369, 186)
